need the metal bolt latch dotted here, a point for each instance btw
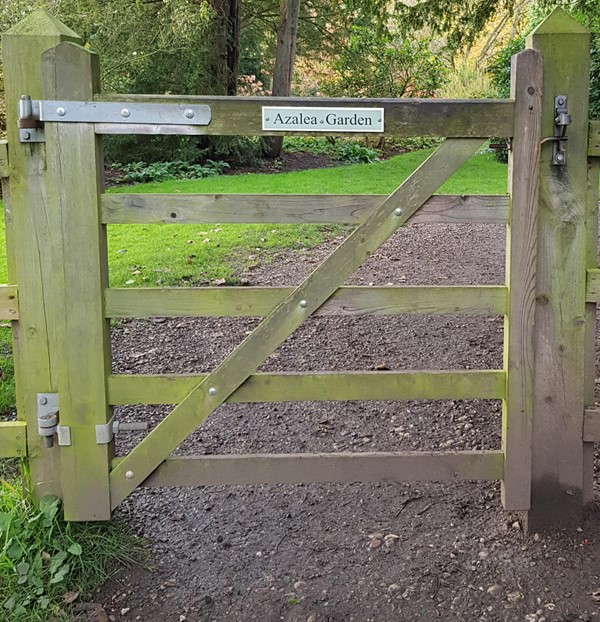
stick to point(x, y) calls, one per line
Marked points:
point(562, 119)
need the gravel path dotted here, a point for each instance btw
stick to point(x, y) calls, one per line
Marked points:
point(383, 552)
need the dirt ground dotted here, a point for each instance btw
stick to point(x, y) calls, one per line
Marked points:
point(376, 552)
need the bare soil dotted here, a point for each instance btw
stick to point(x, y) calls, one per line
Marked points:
point(358, 552)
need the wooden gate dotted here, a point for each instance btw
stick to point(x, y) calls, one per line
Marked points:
point(60, 303)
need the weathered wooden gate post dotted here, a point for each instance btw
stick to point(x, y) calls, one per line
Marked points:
point(560, 328)
point(35, 361)
point(61, 269)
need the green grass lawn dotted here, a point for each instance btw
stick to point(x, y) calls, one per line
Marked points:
point(150, 255)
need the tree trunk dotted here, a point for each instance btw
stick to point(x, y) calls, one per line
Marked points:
point(285, 56)
point(226, 46)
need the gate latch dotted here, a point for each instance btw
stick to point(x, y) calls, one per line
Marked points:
point(47, 412)
point(562, 119)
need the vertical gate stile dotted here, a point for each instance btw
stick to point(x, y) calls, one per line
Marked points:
point(521, 250)
point(80, 276)
point(590, 323)
point(35, 363)
point(560, 320)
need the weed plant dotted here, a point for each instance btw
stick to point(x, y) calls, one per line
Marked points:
point(47, 563)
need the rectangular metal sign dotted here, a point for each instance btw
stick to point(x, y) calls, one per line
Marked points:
point(295, 119)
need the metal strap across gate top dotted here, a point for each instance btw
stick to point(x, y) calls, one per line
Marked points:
point(317, 288)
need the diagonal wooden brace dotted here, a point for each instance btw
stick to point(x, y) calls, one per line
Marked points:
point(209, 394)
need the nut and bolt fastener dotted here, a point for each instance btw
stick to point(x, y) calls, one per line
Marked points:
point(129, 474)
point(559, 157)
point(303, 304)
point(26, 135)
point(212, 391)
point(189, 114)
point(125, 112)
point(561, 101)
point(61, 112)
point(43, 401)
point(398, 211)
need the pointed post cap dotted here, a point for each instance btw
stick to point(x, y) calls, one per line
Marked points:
point(40, 23)
point(559, 22)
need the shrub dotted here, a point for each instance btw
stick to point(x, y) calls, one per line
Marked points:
point(140, 172)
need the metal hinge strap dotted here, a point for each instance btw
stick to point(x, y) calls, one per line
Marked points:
point(34, 113)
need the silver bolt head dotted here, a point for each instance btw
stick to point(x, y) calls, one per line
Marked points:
point(26, 135)
point(43, 401)
point(398, 211)
point(212, 391)
point(559, 157)
point(303, 304)
point(61, 112)
point(125, 113)
point(129, 474)
point(189, 114)
point(561, 101)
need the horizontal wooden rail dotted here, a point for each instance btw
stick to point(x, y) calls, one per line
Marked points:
point(332, 468)
point(592, 293)
point(13, 439)
point(591, 426)
point(287, 208)
point(403, 117)
point(594, 139)
point(260, 301)
point(9, 305)
point(126, 389)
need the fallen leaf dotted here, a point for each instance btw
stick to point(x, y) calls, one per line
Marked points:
point(69, 597)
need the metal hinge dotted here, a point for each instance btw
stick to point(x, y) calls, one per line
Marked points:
point(106, 432)
point(34, 113)
point(47, 412)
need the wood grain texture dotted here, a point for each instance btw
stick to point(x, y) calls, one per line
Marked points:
point(26, 218)
point(560, 327)
point(591, 426)
point(260, 301)
point(79, 276)
point(322, 468)
point(289, 315)
point(285, 208)
point(521, 255)
point(13, 439)
point(9, 304)
point(594, 139)
point(404, 117)
point(325, 386)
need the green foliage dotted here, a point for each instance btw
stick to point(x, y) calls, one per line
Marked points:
point(138, 172)
point(381, 64)
point(46, 562)
point(499, 65)
point(349, 151)
point(7, 384)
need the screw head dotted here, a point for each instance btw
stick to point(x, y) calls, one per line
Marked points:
point(26, 135)
point(125, 113)
point(561, 101)
point(212, 391)
point(559, 157)
point(189, 114)
point(43, 401)
point(129, 474)
point(398, 211)
point(303, 304)
point(61, 112)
